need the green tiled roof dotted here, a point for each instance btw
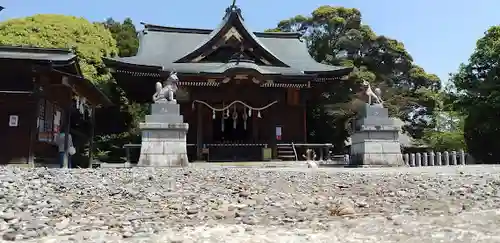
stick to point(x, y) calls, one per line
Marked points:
point(161, 47)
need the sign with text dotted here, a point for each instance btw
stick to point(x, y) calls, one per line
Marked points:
point(13, 121)
point(278, 133)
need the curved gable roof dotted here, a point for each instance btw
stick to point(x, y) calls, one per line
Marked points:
point(231, 20)
point(163, 48)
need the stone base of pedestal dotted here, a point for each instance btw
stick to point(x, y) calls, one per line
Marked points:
point(375, 152)
point(163, 145)
point(375, 142)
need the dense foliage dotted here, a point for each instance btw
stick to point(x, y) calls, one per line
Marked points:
point(118, 124)
point(448, 133)
point(477, 96)
point(125, 35)
point(337, 36)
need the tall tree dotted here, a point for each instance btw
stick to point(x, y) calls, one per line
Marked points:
point(337, 36)
point(114, 133)
point(478, 97)
point(448, 133)
point(125, 35)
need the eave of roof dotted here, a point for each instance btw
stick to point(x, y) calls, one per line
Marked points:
point(217, 68)
point(53, 55)
point(103, 98)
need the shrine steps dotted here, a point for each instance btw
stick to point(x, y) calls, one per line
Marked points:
point(286, 152)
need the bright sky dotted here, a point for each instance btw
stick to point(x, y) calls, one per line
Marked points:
point(439, 34)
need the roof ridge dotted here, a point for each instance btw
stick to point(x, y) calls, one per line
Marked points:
point(161, 28)
point(35, 49)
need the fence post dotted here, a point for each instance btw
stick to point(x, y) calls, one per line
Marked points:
point(406, 159)
point(418, 159)
point(454, 158)
point(446, 158)
point(412, 160)
point(462, 157)
point(439, 159)
point(424, 159)
point(431, 158)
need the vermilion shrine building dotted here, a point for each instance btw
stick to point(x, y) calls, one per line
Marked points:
point(240, 91)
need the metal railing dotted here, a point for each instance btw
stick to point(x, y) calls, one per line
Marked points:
point(295, 152)
point(321, 149)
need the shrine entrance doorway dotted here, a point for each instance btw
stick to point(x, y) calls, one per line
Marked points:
point(233, 126)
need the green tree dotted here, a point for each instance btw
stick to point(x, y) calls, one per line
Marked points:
point(448, 133)
point(336, 36)
point(119, 124)
point(125, 35)
point(477, 95)
point(91, 41)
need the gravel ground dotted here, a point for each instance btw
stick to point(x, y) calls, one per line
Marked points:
point(427, 204)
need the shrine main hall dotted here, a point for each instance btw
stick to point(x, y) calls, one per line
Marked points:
point(242, 93)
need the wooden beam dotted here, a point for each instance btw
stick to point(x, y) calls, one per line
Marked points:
point(305, 122)
point(33, 126)
point(92, 132)
point(67, 132)
point(199, 132)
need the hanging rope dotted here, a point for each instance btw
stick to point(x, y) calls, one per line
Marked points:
point(232, 103)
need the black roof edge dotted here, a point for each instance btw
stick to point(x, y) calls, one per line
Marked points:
point(159, 28)
point(340, 71)
point(36, 49)
point(110, 62)
point(104, 98)
point(41, 61)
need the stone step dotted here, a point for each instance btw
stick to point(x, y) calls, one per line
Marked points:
point(286, 157)
point(286, 152)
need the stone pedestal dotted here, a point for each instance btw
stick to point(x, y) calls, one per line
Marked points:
point(375, 142)
point(164, 137)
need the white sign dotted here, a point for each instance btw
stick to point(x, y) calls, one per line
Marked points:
point(57, 118)
point(278, 133)
point(13, 121)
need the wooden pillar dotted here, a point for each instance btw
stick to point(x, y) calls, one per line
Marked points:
point(199, 132)
point(273, 123)
point(305, 122)
point(33, 126)
point(255, 127)
point(67, 130)
point(92, 131)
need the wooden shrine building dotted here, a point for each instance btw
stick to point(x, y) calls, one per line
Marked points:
point(42, 89)
point(240, 91)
